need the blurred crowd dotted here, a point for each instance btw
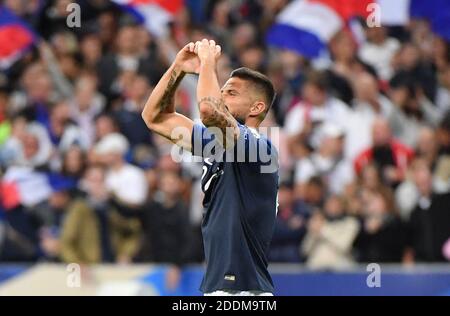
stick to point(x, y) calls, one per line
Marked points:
point(364, 140)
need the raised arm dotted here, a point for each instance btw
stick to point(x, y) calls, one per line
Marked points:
point(213, 110)
point(159, 111)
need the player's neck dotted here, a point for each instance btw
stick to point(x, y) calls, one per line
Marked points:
point(252, 122)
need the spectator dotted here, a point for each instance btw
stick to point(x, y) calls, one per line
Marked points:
point(113, 67)
point(317, 108)
point(409, 59)
point(382, 237)
point(86, 105)
point(443, 91)
point(253, 57)
point(128, 116)
point(313, 193)
point(29, 145)
point(409, 192)
point(343, 50)
point(91, 51)
point(62, 132)
point(346, 65)
point(244, 36)
point(427, 146)
point(50, 215)
point(379, 50)
point(443, 159)
point(369, 179)
point(327, 162)
point(429, 223)
point(126, 183)
point(279, 139)
point(368, 104)
point(40, 94)
point(105, 124)
point(412, 109)
point(220, 16)
point(427, 157)
point(389, 156)
point(165, 223)
point(328, 242)
point(73, 163)
point(93, 231)
point(290, 226)
point(284, 92)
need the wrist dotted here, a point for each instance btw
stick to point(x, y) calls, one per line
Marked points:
point(178, 68)
point(208, 62)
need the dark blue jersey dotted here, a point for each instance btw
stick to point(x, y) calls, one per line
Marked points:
point(240, 209)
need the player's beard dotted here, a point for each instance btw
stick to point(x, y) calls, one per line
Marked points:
point(239, 118)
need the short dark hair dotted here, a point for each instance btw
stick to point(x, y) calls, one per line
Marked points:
point(262, 83)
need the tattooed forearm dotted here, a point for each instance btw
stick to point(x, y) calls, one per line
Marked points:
point(161, 100)
point(217, 114)
point(216, 103)
point(167, 98)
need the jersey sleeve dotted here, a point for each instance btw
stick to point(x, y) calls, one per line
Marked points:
point(203, 141)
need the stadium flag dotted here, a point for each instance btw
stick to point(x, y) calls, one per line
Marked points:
point(400, 12)
point(23, 185)
point(154, 14)
point(437, 12)
point(16, 38)
point(306, 26)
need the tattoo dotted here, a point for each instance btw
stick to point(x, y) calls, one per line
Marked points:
point(215, 101)
point(220, 116)
point(168, 96)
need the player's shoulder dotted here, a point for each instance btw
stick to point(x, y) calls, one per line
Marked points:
point(251, 133)
point(248, 133)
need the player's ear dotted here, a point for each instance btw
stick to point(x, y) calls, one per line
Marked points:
point(257, 108)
